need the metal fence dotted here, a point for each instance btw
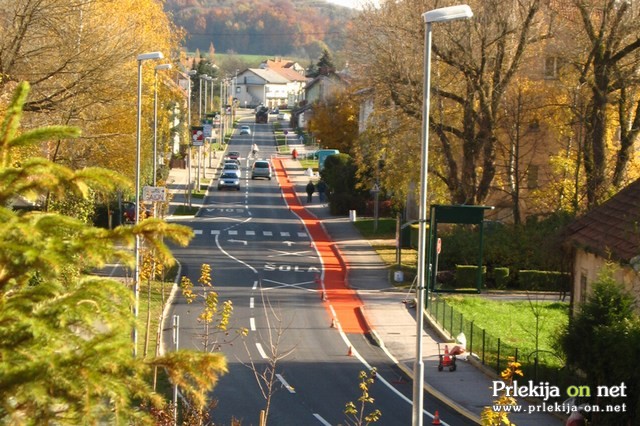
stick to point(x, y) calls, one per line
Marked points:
point(492, 352)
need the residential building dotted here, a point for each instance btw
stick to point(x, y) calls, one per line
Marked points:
point(609, 232)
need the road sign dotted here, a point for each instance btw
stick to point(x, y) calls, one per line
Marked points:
point(197, 135)
point(154, 193)
point(438, 245)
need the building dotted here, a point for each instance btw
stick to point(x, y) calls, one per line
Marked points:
point(609, 232)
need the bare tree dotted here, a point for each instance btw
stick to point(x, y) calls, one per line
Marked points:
point(266, 376)
point(602, 46)
point(474, 64)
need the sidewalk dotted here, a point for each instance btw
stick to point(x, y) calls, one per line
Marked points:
point(468, 389)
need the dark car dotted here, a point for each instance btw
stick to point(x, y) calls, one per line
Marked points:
point(234, 155)
point(229, 180)
point(129, 212)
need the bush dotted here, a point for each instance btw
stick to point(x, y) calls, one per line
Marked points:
point(544, 280)
point(501, 277)
point(340, 203)
point(466, 276)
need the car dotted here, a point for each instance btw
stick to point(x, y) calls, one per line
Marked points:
point(129, 212)
point(232, 168)
point(284, 116)
point(234, 155)
point(261, 168)
point(232, 161)
point(245, 130)
point(229, 180)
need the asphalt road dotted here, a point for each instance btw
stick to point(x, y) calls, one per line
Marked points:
point(263, 261)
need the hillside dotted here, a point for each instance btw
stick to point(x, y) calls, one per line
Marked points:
point(272, 27)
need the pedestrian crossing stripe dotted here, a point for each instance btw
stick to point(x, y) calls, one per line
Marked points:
point(249, 233)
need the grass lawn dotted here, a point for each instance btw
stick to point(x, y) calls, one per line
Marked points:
point(383, 242)
point(514, 322)
point(183, 210)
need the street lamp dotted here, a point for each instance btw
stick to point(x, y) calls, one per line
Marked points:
point(155, 118)
point(136, 282)
point(443, 14)
point(190, 74)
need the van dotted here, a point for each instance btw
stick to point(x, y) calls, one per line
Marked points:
point(261, 168)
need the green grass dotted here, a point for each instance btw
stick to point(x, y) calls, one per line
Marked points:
point(183, 210)
point(386, 228)
point(309, 163)
point(514, 322)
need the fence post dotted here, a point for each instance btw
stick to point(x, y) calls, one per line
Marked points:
point(471, 339)
point(516, 358)
point(451, 329)
point(498, 361)
point(437, 302)
point(461, 321)
point(483, 344)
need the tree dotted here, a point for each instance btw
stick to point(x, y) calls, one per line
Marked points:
point(355, 412)
point(65, 346)
point(602, 48)
point(474, 63)
point(79, 57)
point(335, 123)
point(325, 64)
point(605, 325)
point(490, 417)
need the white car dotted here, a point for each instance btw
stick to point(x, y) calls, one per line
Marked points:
point(232, 168)
point(245, 130)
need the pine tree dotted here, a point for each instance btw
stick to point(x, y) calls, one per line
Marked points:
point(65, 348)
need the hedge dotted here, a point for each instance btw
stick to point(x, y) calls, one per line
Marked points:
point(466, 276)
point(544, 280)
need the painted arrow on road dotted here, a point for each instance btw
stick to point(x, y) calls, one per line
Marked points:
point(238, 241)
point(289, 243)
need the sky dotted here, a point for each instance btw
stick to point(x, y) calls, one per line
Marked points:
point(354, 4)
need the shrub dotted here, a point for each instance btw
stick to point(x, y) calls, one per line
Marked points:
point(501, 277)
point(544, 280)
point(466, 275)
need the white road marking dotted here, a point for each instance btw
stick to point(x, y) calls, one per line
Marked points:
point(302, 234)
point(251, 302)
point(215, 232)
point(285, 384)
point(287, 253)
point(255, 285)
point(267, 233)
point(250, 233)
point(197, 231)
point(284, 234)
point(262, 353)
point(252, 324)
point(321, 420)
point(232, 232)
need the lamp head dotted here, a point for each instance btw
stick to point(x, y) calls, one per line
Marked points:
point(445, 14)
point(163, 67)
point(150, 55)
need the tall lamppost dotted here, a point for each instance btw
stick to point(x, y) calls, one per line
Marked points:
point(136, 280)
point(443, 14)
point(191, 73)
point(155, 118)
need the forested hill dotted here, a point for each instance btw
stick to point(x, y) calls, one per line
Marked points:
point(274, 27)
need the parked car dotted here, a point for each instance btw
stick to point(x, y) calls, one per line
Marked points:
point(129, 212)
point(245, 130)
point(261, 168)
point(232, 168)
point(229, 180)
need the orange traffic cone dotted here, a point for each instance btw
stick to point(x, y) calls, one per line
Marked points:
point(436, 419)
point(447, 358)
point(350, 353)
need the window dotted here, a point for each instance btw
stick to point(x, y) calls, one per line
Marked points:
point(583, 286)
point(551, 67)
point(532, 177)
